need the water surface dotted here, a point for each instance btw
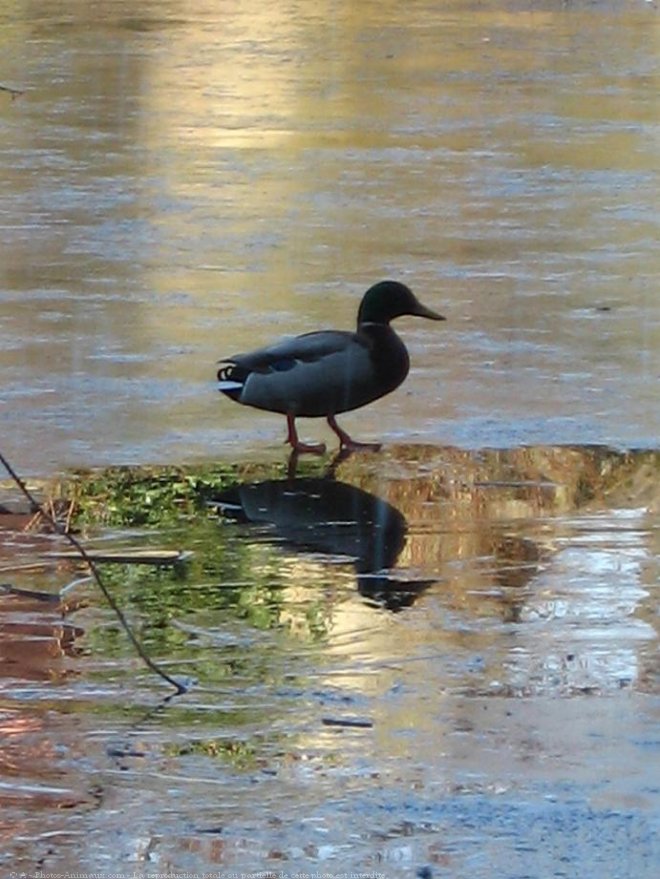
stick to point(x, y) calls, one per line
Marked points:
point(183, 181)
point(442, 657)
point(431, 659)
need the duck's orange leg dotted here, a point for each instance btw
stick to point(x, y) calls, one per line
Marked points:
point(345, 439)
point(296, 444)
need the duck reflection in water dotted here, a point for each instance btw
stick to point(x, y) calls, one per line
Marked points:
point(322, 515)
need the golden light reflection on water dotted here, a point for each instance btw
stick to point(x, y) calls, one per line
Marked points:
point(167, 206)
point(180, 181)
point(496, 552)
point(420, 625)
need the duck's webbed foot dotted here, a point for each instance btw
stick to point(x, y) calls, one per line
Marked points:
point(296, 444)
point(346, 442)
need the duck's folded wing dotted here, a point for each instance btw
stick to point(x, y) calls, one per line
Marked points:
point(284, 355)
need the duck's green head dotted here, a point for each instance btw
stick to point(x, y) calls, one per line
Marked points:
point(389, 299)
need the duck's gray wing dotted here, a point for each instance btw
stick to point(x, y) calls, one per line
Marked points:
point(283, 356)
point(315, 374)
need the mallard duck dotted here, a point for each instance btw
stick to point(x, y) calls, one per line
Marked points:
point(324, 373)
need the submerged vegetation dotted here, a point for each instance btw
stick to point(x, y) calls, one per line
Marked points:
point(164, 497)
point(152, 496)
point(195, 553)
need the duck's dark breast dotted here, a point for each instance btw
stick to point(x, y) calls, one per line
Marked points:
point(357, 376)
point(389, 360)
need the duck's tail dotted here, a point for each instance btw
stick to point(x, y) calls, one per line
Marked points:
point(231, 382)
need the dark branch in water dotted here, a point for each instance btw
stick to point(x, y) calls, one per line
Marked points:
point(91, 564)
